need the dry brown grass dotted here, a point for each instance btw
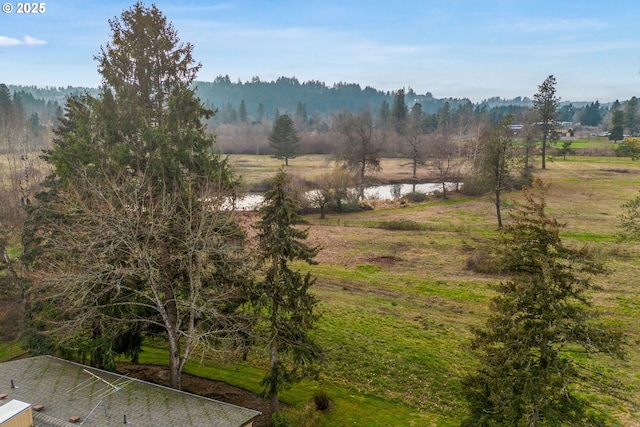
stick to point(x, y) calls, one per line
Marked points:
point(256, 169)
point(424, 276)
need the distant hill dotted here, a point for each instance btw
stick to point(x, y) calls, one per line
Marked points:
point(284, 95)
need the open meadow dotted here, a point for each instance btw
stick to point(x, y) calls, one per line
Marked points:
point(397, 305)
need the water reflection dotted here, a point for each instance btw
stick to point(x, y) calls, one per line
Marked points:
point(252, 201)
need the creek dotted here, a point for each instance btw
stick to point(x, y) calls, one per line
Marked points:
point(252, 201)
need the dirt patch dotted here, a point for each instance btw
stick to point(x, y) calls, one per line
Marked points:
point(217, 390)
point(384, 260)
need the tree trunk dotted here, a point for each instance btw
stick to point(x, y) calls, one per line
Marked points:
point(544, 148)
point(498, 214)
point(535, 417)
point(415, 164)
point(171, 325)
point(273, 360)
point(174, 362)
point(273, 357)
point(15, 278)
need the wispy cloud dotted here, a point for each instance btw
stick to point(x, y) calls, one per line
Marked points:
point(539, 25)
point(26, 41)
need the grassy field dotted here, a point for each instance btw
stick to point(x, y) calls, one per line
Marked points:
point(397, 306)
point(255, 170)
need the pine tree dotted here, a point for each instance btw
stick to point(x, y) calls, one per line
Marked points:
point(242, 112)
point(399, 111)
point(545, 103)
point(541, 315)
point(283, 297)
point(284, 139)
point(260, 113)
point(631, 116)
point(384, 113)
point(616, 133)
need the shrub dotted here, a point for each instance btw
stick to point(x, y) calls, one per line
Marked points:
point(303, 417)
point(401, 224)
point(481, 261)
point(321, 398)
point(630, 147)
point(473, 186)
point(416, 197)
point(278, 419)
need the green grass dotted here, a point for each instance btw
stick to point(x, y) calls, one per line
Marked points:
point(10, 350)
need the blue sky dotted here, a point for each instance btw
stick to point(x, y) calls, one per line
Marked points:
point(451, 48)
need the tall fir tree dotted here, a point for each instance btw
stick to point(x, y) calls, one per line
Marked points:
point(632, 116)
point(545, 104)
point(242, 112)
point(140, 147)
point(527, 376)
point(616, 133)
point(284, 139)
point(399, 111)
point(283, 297)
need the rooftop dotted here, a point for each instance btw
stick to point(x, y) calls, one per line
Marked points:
point(104, 399)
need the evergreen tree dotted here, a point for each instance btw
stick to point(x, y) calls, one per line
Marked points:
point(445, 121)
point(565, 149)
point(541, 315)
point(301, 117)
point(616, 133)
point(631, 116)
point(284, 139)
point(567, 112)
point(384, 114)
point(545, 103)
point(399, 111)
point(591, 114)
point(131, 172)
point(260, 113)
point(242, 112)
point(283, 297)
point(6, 107)
point(147, 75)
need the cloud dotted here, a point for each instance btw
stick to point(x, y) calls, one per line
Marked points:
point(32, 41)
point(26, 41)
point(8, 41)
point(539, 25)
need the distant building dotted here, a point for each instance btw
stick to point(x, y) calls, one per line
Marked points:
point(52, 392)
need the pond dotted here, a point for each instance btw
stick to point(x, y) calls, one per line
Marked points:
point(252, 201)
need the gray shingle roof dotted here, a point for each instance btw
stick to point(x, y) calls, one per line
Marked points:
point(66, 389)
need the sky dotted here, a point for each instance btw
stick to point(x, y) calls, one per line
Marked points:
point(473, 49)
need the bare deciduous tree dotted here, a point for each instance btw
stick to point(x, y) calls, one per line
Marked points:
point(129, 256)
point(443, 153)
point(360, 149)
point(416, 140)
